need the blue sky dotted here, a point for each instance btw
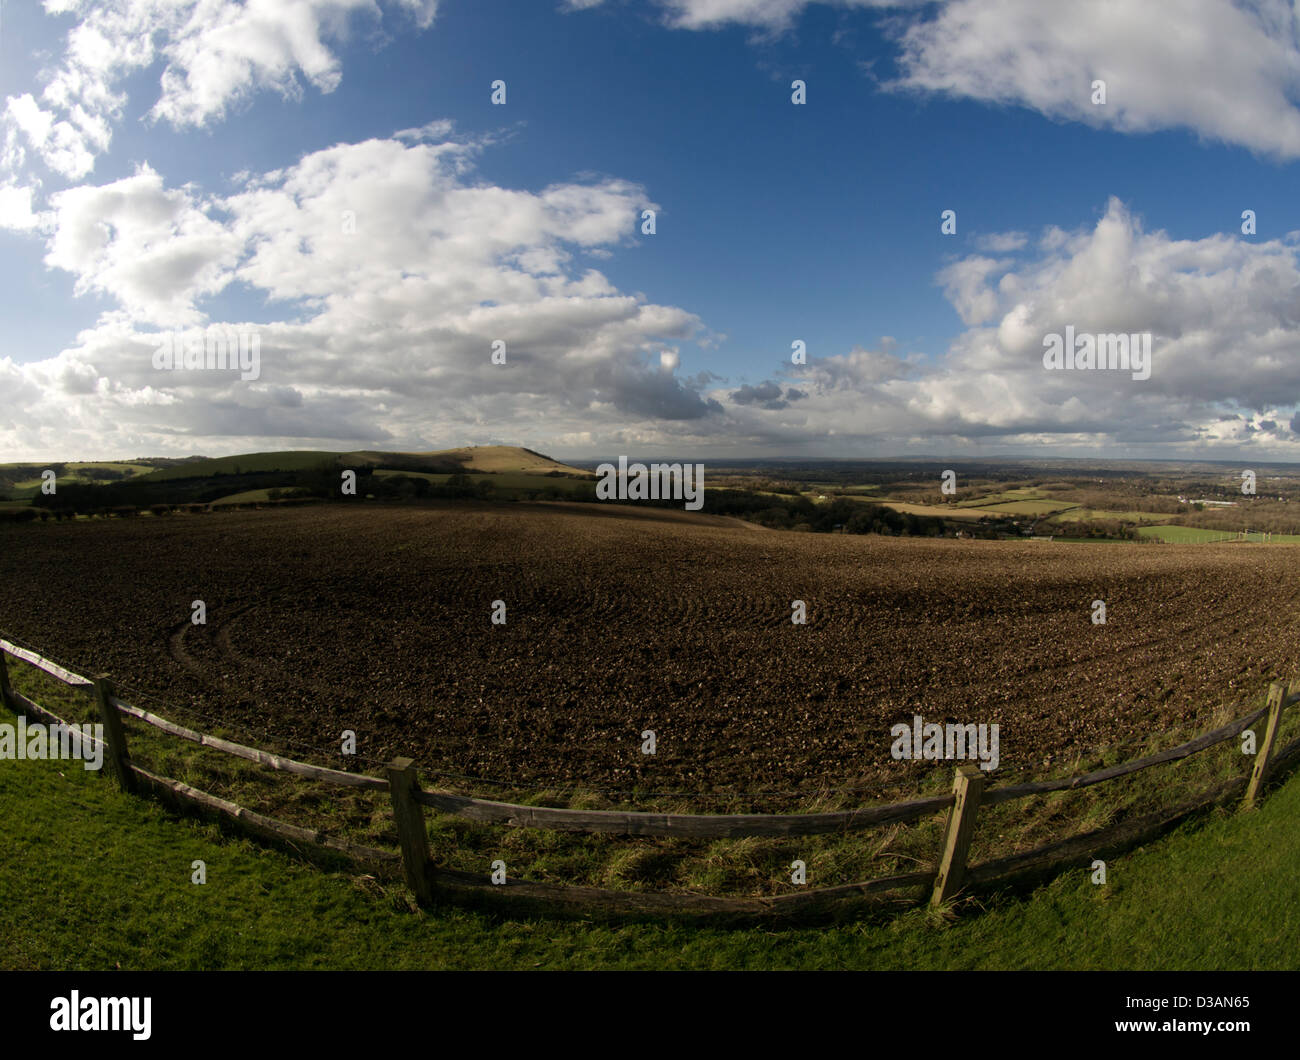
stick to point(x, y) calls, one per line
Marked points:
point(182, 168)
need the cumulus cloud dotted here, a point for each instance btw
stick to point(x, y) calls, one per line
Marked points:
point(389, 270)
point(216, 54)
point(767, 395)
point(153, 249)
point(1225, 331)
point(16, 208)
point(1001, 242)
point(1228, 71)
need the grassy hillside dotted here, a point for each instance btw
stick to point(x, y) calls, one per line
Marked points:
point(23, 481)
point(485, 459)
point(291, 460)
point(505, 472)
point(501, 458)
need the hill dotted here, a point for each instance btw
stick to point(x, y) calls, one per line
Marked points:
point(485, 459)
point(499, 458)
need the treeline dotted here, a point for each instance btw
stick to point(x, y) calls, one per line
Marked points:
point(283, 487)
point(800, 513)
point(86, 498)
point(458, 487)
point(1097, 529)
point(1128, 498)
point(1254, 513)
point(778, 511)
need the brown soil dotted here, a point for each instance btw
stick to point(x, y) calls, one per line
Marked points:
point(378, 620)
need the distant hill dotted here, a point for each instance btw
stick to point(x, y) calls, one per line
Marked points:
point(504, 472)
point(498, 458)
point(483, 459)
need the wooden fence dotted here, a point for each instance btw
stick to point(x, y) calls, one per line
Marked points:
point(429, 882)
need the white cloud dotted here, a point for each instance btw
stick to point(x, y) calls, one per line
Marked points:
point(393, 310)
point(768, 14)
point(389, 341)
point(16, 208)
point(966, 285)
point(1228, 71)
point(216, 55)
point(154, 250)
point(1225, 369)
point(1001, 242)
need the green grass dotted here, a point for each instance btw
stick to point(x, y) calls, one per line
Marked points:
point(245, 463)
point(77, 472)
point(754, 866)
point(247, 497)
point(96, 879)
point(1198, 535)
point(307, 459)
point(86, 470)
point(1022, 493)
point(1023, 507)
point(1094, 514)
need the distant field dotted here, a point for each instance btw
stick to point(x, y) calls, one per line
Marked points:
point(1022, 493)
point(1025, 507)
point(1091, 514)
point(83, 471)
point(134, 469)
point(934, 509)
point(76, 472)
point(1195, 534)
point(247, 497)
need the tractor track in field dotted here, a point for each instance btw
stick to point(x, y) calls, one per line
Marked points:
point(378, 620)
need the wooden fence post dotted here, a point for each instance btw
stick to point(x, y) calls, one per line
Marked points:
point(411, 832)
point(6, 689)
point(114, 734)
point(1276, 697)
point(967, 789)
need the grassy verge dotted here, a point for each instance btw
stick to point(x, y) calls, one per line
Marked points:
point(95, 879)
point(751, 866)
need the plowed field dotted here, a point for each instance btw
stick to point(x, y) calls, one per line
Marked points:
point(378, 620)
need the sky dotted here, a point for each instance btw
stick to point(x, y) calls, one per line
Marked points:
point(427, 220)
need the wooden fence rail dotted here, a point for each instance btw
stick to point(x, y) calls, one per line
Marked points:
point(253, 754)
point(1200, 743)
point(425, 879)
point(682, 825)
